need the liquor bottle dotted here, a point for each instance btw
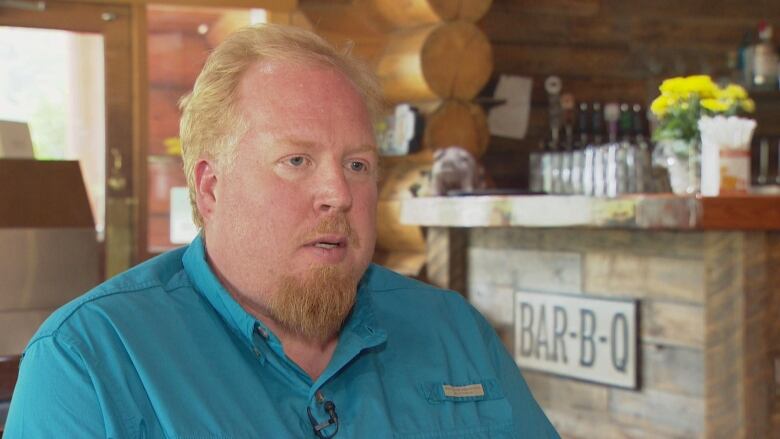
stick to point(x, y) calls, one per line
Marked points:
point(553, 86)
point(597, 124)
point(777, 171)
point(639, 123)
point(745, 59)
point(642, 160)
point(567, 106)
point(611, 116)
point(536, 169)
point(626, 124)
point(581, 133)
point(764, 60)
point(763, 162)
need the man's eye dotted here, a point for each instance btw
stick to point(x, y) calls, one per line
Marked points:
point(357, 166)
point(298, 160)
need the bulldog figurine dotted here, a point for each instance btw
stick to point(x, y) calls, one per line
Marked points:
point(455, 169)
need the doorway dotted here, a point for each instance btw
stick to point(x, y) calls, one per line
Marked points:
point(73, 87)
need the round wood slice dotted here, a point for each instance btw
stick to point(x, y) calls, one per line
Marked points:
point(451, 60)
point(457, 123)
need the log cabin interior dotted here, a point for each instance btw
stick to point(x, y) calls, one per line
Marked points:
point(699, 271)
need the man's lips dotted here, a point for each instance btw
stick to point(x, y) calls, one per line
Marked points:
point(328, 242)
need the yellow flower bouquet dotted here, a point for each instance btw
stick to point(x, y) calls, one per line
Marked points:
point(683, 101)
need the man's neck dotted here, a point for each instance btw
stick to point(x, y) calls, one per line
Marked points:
point(312, 356)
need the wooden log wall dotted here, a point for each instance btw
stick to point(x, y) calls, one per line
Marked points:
point(428, 53)
point(613, 50)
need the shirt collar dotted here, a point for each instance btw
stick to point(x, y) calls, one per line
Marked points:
point(360, 331)
point(205, 281)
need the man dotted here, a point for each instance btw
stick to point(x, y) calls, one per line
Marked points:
point(273, 323)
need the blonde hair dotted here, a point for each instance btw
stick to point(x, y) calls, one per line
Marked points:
point(212, 124)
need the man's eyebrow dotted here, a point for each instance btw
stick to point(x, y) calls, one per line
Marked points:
point(295, 143)
point(365, 148)
point(306, 144)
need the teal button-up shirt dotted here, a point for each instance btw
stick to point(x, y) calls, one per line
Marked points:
point(163, 351)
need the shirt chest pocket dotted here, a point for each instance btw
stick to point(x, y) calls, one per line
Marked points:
point(476, 409)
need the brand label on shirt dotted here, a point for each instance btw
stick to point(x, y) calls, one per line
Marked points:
point(463, 391)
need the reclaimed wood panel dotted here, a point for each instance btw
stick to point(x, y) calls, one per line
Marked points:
point(494, 301)
point(735, 349)
point(772, 333)
point(673, 369)
point(557, 272)
point(618, 274)
point(578, 424)
point(680, 245)
point(672, 324)
point(567, 394)
point(446, 256)
point(679, 415)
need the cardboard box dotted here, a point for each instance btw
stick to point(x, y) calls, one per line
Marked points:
point(19, 327)
point(48, 244)
point(15, 141)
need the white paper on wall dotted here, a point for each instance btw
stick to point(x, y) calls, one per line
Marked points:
point(511, 119)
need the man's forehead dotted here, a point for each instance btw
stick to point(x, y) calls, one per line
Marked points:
point(289, 71)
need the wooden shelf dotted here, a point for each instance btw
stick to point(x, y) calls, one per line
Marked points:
point(664, 211)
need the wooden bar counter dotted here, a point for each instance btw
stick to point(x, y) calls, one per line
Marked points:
point(703, 273)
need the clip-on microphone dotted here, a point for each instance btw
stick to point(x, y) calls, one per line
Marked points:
point(333, 418)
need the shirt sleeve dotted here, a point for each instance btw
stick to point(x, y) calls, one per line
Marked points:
point(530, 420)
point(54, 395)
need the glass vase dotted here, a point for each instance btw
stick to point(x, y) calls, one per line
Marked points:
point(682, 160)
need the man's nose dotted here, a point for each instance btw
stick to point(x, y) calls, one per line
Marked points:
point(334, 192)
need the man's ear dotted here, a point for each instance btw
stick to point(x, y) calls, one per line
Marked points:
point(205, 187)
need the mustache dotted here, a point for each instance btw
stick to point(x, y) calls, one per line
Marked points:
point(336, 225)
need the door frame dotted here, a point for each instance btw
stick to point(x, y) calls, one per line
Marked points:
point(123, 31)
